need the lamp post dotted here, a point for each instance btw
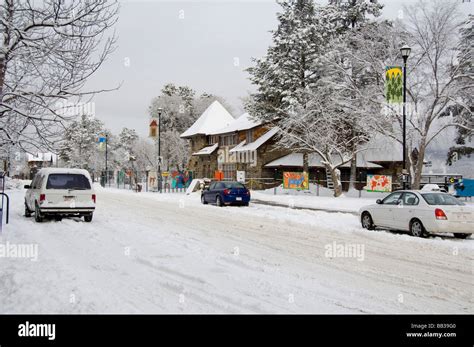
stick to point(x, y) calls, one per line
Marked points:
point(160, 110)
point(405, 51)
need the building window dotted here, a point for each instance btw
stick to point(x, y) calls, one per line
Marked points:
point(228, 140)
point(213, 139)
point(229, 171)
point(249, 135)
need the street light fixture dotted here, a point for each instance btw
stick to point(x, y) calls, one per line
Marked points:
point(160, 110)
point(405, 51)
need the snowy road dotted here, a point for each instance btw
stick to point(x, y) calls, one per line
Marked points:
point(150, 253)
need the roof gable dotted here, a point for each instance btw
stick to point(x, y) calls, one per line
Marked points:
point(213, 118)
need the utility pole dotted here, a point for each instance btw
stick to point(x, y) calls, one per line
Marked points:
point(160, 110)
point(405, 50)
point(106, 153)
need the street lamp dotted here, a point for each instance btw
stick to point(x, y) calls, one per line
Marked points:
point(405, 51)
point(160, 110)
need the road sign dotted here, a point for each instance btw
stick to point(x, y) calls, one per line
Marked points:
point(240, 176)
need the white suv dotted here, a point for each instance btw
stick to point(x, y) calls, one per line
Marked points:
point(60, 193)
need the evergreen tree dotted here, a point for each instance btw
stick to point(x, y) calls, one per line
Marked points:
point(462, 112)
point(79, 148)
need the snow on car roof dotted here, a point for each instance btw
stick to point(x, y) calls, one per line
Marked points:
point(51, 170)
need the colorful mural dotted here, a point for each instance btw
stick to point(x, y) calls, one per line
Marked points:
point(379, 183)
point(181, 179)
point(295, 180)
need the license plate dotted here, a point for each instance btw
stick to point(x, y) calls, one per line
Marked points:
point(460, 216)
point(238, 198)
point(69, 198)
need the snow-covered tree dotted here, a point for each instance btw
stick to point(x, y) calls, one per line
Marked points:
point(434, 86)
point(461, 113)
point(288, 77)
point(79, 147)
point(284, 74)
point(180, 108)
point(48, 50)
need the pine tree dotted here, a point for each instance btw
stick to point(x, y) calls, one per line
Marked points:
point(463, 113)
point(285, 71)
point(79, 148)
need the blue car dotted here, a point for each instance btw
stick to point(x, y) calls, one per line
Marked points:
point(226, 193)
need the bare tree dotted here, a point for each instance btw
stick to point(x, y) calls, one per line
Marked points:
point(434, 73)
point(48, 50)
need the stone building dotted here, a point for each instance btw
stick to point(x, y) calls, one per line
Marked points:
point(222, 146)
point(221, 143)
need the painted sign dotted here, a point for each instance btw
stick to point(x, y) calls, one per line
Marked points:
point(394, 84)
point(241, 176)
point(152, 180)
point(102, 141)
point(379, 183)
point(295, 180)
point(153, 129)
point(181, 179)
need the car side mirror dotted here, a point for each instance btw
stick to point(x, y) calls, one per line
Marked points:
point(27, 186)
point(378, 202)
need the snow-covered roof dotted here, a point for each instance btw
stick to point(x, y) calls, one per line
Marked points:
point(207, 150)
point(213, 118)
point(41, 157)
point(314, 160)
point(244, 122)
point(252, 146)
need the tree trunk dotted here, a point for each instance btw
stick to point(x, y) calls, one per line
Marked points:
point(336, 180)
point(305, 163)
point(418, 166)
point(353, 176)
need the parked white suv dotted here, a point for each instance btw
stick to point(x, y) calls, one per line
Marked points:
point(60, 193)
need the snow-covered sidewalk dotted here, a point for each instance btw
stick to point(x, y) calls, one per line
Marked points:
point(323, 202)
point(167, 253)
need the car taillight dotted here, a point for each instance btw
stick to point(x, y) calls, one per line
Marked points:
point(226, 191)
point(42, 197)
point(93, 198)
point(247, 192)
point(439, 214)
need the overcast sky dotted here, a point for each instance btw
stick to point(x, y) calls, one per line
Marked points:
point(203, 44)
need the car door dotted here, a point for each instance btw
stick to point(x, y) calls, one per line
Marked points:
point(405, 211)
point(218, 188)
point(384, 214)
point(32, 192)
point(207, 192)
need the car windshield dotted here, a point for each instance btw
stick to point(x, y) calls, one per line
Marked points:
point(232, 185)
point(68, 181)
point(440, 199)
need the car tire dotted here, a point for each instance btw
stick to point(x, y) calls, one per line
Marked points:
point(219, 201)
point(203, 200)
point(27, 211)
point(38, 216)
point(88, 218)
point(461, 236)
point(58, 218)
point(417, 229)
point(246, 204)
point(366, 221)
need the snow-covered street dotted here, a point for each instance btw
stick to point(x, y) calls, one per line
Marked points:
point(152, 253)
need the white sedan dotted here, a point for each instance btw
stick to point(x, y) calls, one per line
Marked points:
point(420, 213)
